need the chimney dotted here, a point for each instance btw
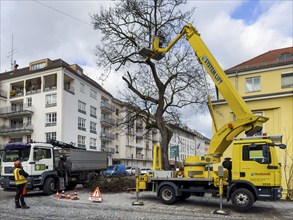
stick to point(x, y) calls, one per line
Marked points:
point(15, 67)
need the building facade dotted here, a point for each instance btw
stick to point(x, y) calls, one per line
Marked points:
point(266, 85)
point(51, 99)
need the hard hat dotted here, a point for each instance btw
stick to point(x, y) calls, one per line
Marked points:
point(17, 163)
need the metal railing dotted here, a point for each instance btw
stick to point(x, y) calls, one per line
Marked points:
point(18, 128)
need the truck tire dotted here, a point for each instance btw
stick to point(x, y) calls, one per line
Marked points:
point(167, 195)
point(49, 186)
point(242, 199)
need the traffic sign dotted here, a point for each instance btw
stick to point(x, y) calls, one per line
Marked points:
point(174, 151)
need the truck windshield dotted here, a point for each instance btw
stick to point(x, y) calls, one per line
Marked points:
point(16, 154)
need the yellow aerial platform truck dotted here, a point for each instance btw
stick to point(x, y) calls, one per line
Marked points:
point(253, 173)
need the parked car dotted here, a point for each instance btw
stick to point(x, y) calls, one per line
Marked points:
point(115, 170)
point(145, 171)
point(130, 171)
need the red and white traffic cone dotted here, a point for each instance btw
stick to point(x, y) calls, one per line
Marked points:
point(68, 196)
point(62, 195)
point(75, 195)
point(57, 195)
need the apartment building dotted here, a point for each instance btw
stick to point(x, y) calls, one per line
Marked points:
point(189, 143)
point(266, 84)
point(51, 99)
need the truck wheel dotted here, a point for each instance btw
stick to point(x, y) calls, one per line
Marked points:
point(242, 199)
point(167, 195)
point(49, 186)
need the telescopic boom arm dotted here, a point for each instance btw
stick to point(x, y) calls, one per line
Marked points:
point(246, 121)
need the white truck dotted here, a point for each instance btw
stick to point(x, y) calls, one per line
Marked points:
point(51, 166)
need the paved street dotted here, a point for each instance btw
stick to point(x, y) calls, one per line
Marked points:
point(119, 206)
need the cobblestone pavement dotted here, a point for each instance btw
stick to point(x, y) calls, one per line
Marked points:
point(119, 206)
point(194, 206)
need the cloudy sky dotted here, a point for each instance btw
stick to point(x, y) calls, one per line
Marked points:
point(234, 31)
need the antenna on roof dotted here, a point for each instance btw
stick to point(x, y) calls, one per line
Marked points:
point(10, 54)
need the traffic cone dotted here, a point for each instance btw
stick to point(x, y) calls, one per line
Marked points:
point(57, 195)
point(68, 196)
point(62, 195)
point(75, 195)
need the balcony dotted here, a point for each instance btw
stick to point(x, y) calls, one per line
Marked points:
point(68, 84)
point(106, 107)
point(107, 136)
point(139, 135)
point(108, 150)
point(107, 122)
point(50, 82)
point(13, 111)
point(139, 156)
point(23, 129)
point(17, 89)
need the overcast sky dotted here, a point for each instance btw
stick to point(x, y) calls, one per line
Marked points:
point(234, 31)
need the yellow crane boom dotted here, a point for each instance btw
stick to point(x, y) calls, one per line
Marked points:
point(246, 120)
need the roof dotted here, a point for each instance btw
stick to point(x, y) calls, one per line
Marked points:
point(51, 65)
point(271, 58)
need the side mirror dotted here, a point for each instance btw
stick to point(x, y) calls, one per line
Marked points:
point(265, 151)
point(282, 146)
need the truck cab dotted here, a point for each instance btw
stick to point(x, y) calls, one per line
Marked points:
point(37, 160)
point(255, 167)
point(51, 166)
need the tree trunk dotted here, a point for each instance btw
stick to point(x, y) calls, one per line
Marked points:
point(166, 135)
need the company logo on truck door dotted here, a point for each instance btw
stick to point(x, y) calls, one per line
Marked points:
point(212, 69)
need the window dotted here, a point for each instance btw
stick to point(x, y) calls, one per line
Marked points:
point(287, 80)
point(50, 136)
point(38, 66)
point(46, 153)
point(29, 120)
point(116, 149)
point(29, 102)
point(81, 141)
point(93, 112)
point(81, 124)
point(252, 84)
point(82, 87)
point(51, 100)
point(93, 127)
point(285, 56)
point(257, 153)
point(51, 119)
point(93, 143)
point(117, 111)
point(93, 94)
point(81, 107)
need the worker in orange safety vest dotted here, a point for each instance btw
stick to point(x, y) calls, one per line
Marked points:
point(20, 181)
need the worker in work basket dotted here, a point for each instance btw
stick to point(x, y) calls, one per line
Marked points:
point(20, 181)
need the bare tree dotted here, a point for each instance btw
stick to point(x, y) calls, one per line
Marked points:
point(156, 90)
